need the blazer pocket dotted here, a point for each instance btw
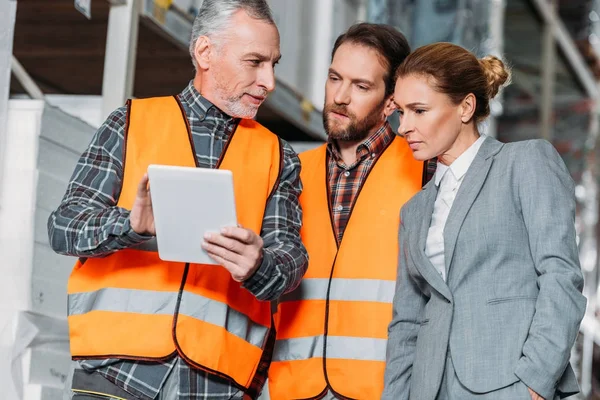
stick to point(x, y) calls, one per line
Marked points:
point(425, 322)
point(499, 300)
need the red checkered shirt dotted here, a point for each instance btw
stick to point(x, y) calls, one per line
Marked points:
point(345, 181)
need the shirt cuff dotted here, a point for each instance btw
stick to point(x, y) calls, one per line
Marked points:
point(257, 282)
point(129, 237)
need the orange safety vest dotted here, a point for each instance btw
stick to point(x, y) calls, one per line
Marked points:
point(132, 305)
point(332, 330)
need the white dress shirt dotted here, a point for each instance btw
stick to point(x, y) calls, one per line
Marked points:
point(448, 178)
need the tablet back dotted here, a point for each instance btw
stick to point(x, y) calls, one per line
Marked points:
point(188, 202)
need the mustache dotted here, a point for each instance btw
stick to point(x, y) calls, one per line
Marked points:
point(339, 109)
point(260, 93)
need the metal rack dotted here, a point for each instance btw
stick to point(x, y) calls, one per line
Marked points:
point(300, 109)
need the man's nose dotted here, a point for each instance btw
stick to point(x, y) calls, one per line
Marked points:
point(266, 78)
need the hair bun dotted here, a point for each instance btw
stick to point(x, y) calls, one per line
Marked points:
point(496, 73)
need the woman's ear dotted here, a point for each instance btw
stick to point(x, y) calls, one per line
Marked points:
point(389, 107)
point(467, 108)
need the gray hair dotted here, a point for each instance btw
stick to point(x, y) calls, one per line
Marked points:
point(214, 16)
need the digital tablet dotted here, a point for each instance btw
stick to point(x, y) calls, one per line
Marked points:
point(187, 203)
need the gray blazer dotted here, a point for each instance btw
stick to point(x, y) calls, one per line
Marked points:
point(511, 306)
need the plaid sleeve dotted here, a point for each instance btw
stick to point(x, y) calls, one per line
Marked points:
point(88, 223)
point(285, 258)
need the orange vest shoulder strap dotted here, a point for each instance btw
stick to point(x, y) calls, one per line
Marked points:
point(156, 129)
point(255, 154)
point(317, 224)
point(247, 133)
point(314, 159)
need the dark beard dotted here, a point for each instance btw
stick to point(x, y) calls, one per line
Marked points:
point(357, 130)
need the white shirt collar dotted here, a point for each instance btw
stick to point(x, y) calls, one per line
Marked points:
point(461, 165)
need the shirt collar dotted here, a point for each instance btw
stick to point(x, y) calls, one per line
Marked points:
point(201, 106)
point(440, 171)
point(461, 165)
point(374, 145)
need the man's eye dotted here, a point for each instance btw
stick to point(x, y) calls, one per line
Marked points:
point(420, 111)
point(255, 62)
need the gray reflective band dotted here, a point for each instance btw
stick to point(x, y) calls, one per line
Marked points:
point(220, 314)
point(369, 290)
point(298, 349)
point(122, 300)
point(156, 302)
point(338, 347)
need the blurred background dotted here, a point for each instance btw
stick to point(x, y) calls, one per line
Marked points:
point(66, 64)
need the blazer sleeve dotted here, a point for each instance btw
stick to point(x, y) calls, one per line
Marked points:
point(408, 308)
point(547, 199)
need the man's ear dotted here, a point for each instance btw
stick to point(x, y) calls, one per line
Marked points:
point(203, 52)
point(389, 107)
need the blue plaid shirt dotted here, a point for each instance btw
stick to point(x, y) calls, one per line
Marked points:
point(89, 224)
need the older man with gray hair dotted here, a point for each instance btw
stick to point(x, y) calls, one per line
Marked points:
point(143, 328)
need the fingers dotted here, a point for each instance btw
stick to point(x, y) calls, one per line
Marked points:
point(227, 259)
point(238, 233)
point(534, 395)
point(222, 253)
point(221, 241)
point(240, 259)
point(228, 265)
point(143, 186)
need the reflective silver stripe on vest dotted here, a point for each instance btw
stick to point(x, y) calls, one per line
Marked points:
point(157, 303)
point(369, 290)
point(122, 300)
point(298, 348)
point(338, 347)
point(217, 313)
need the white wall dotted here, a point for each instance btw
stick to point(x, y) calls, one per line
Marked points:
point(42, 147)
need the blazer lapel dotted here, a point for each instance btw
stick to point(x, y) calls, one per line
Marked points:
point(422, 262)
point(469, 189)
point(427, 212)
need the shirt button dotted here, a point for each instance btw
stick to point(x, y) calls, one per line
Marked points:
point(347, 173)
point(372, 155)
point(340, 208)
